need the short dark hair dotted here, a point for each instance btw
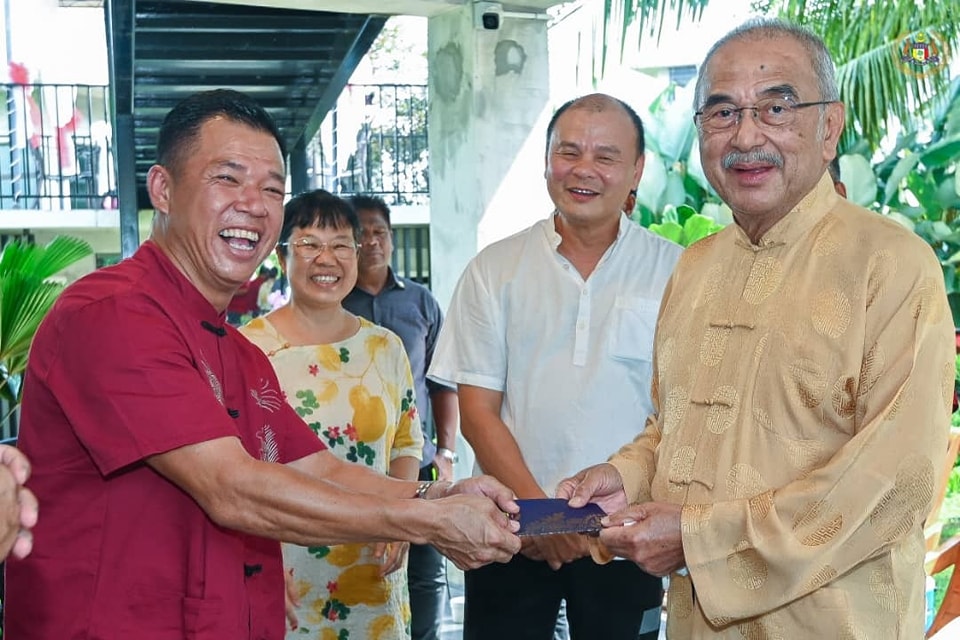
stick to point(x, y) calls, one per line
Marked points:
point(181, 126)
point(371, 203)
point(834, 169)
point(597, 102)
point(317, 208)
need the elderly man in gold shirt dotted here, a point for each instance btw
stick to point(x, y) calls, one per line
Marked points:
point(804, 366)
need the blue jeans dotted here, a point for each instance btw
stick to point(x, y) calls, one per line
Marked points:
point(520, 600)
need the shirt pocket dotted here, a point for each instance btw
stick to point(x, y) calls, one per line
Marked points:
point(633, 322)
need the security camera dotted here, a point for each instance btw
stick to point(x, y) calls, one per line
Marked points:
point(486, 15)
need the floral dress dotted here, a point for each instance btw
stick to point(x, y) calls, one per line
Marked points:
point(357, 396)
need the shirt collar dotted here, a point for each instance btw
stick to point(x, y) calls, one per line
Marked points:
point(189, 297)
point(554, 238)
point(804, 216)
point(393, 282)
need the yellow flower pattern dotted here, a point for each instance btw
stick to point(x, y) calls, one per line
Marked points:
point(357, 396)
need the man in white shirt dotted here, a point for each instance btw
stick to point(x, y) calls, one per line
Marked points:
point(549, 338)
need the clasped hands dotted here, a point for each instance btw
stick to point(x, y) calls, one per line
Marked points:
point(648, 534)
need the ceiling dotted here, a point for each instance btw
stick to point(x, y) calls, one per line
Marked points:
point(294, 62)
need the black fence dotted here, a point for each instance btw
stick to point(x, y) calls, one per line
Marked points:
point(56, 147)
point(374, 141)
point(411, 252)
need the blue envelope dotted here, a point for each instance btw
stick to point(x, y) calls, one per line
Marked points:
point(548, 516)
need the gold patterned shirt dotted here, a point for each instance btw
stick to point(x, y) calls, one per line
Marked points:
point(802, 391)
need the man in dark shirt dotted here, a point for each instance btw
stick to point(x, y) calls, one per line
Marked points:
point(410, 310)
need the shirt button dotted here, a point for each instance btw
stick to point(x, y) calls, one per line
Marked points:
point(581, 326)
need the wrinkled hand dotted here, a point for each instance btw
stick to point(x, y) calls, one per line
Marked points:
point(18, 505)
point(483, 486)
point(473, 531)
point(556, 550)
point(391, 555)
point(648, 534)
point(291, 598)
point(600, 484)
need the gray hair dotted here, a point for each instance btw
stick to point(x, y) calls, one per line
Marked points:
point(775, 28)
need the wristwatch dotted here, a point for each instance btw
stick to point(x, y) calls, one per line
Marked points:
point(449, 454)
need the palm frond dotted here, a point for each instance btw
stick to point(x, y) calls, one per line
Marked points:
point(26, 293)
point(866, 40)
point(23, 304)
point(649, 15)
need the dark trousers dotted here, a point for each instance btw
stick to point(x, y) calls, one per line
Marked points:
point(519, 601)
point(427, 582)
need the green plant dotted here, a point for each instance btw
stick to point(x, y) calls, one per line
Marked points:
point(918, 184)
point(26, 294)
point(866, 38)
point(674, 199)
point(684, 225)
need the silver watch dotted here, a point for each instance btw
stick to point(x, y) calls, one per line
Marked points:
point(449, 454)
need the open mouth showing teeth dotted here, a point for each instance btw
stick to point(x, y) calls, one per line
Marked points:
point(584, 192)
point(325, 279)
point(241, 239)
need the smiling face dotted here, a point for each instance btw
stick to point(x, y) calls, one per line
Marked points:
point(592, 163)
point(219, 209)
point(762, 172)
point(324, 281)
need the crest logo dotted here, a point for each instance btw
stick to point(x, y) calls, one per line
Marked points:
point(921, 54)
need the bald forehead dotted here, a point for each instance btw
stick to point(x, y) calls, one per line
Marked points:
point(597, 104)
point(756, 55)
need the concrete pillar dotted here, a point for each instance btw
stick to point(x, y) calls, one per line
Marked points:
point(489, 104)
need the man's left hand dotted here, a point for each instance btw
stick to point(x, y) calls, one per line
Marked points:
point(648, 534)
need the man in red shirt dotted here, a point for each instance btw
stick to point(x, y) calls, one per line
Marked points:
point(165, 458)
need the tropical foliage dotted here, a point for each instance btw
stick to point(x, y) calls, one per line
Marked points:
point(674, 198)
point(918, 184)
point(866, 38)
point(26, 294)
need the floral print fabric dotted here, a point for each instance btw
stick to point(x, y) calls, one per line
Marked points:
point(357, 396)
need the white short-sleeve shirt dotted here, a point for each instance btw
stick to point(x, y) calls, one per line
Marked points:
point(573, 358)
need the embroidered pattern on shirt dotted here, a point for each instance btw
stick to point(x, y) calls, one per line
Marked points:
point(269, 450)
point(267, 398)
point(215, 385)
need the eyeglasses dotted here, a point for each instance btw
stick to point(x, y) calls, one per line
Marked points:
point(771, 112)
point(310, 249)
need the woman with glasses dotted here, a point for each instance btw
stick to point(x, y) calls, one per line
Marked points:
point(351, 382)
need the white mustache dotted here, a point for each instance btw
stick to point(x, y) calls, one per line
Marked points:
point(751, 157)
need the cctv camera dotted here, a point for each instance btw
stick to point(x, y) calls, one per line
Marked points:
point(486, 15)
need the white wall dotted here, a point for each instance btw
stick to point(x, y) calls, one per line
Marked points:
point(59, 44)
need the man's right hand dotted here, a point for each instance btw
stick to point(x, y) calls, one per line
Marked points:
point(473, 531)
point(600, 484)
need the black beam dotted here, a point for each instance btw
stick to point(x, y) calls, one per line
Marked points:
point(118, 16)
point(354, 54)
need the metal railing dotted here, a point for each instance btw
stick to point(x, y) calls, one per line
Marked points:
point(374, 141)
point(56, 147)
